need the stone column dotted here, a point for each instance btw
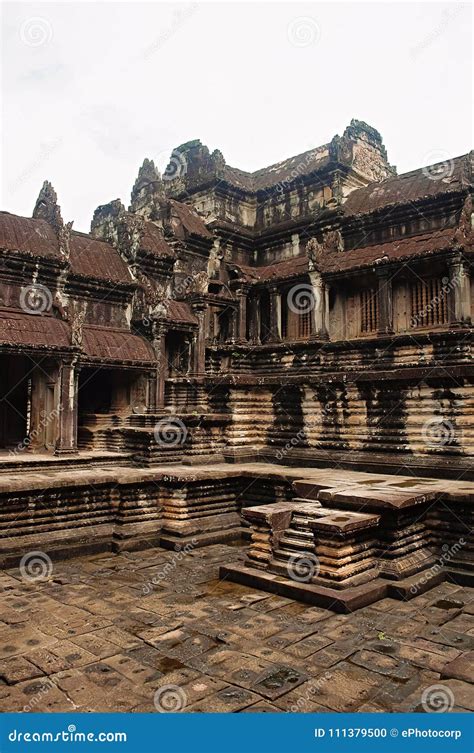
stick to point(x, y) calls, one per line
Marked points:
point(67, 408)
point(384, 302)
point(156, 383)
point(151, 391)
point(198, 350)
point(242, 294)
point(459, 295)
point(254, 319)
point(275, 314)
point(320, 308)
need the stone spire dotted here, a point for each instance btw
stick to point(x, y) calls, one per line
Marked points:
point(147, 191)
point(48, 209)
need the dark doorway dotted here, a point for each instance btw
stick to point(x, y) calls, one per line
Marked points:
point(15, 400)
point(95, 391)
point(177, 354)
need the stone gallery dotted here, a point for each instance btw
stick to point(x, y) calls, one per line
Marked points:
point(237, 435)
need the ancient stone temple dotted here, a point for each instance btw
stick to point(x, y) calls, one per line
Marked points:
point(280, 357)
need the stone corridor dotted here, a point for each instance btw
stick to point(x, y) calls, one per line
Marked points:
point(157, 631)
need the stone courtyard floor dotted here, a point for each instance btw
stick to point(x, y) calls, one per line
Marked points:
point(156, 630)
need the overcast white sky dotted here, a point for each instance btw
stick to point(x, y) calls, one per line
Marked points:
point(89, 89)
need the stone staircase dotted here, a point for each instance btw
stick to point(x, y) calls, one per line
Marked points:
point(298, 539)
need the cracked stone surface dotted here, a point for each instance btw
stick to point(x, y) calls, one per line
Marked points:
point(118, 632)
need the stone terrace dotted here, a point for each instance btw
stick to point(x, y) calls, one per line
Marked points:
point(98, 635)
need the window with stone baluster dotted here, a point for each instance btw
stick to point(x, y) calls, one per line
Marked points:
point(429, 302)
point(368, 310)
point(297, 313)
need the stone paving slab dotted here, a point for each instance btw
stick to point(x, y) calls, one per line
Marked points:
point(99, 635)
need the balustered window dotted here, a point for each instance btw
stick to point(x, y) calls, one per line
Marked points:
point(297, 306)
point(369, 313)
point(429, 302)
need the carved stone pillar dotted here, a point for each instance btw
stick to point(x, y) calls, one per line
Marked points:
point(254, 323)
point(198, 349)
point(321, 306)
point(459, 294)
point(156, 383)
point(67, 408)
point(384, 302)
point(275, 314)
point(151, 391)
point(242, 294)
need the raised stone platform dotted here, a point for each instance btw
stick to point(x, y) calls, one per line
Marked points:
point(360, 526)
point(347, 537)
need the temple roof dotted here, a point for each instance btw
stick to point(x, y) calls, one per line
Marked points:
point(28, 236)
point(190, 219)
point(108, 344)
point(280, 172)
point(96, 259)
point(424, 244)
point(179, 311)
point(442, 178)
point(152, 241)
point(89, 257)
point(18, 329)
